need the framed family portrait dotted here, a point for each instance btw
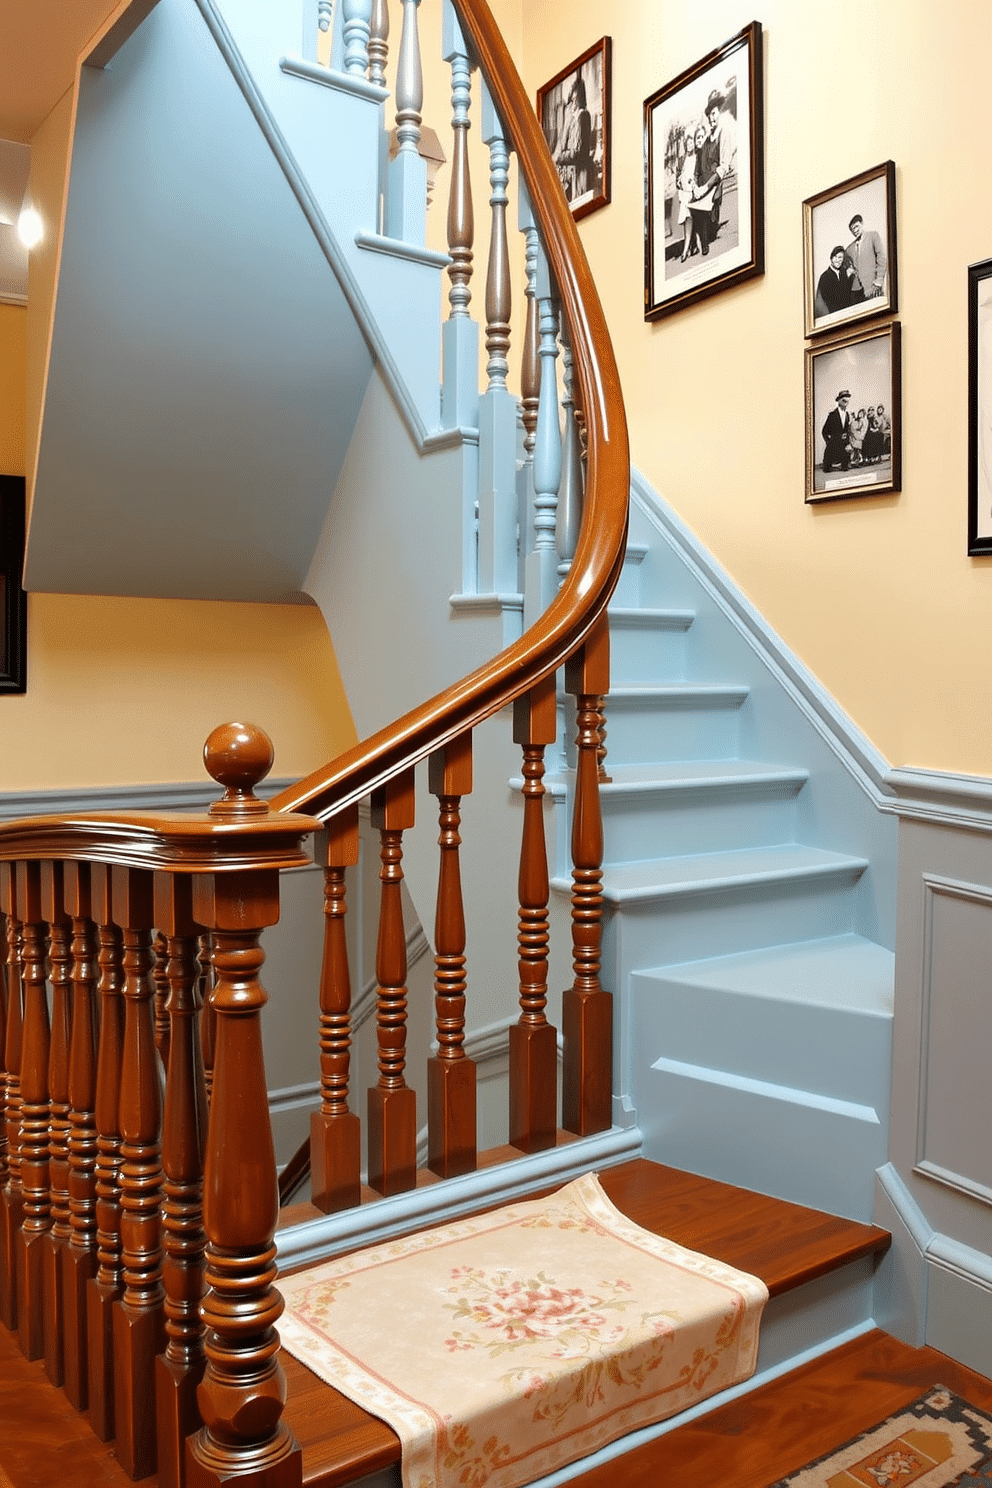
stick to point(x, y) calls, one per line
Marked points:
point(574, 110)
point(849, 249)
point(13, 600)
point(980, 408)
point(854, 415)
point(704, 175)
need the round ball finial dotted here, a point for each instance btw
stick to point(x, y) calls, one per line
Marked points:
point(238, 756)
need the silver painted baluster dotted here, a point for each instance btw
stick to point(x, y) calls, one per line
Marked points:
point(379, 42)
point(542, 577)
point(357, 16)
point(571, 489)
point(497, 410)
point(530, 381)
point(406, 201)
point(460, 333)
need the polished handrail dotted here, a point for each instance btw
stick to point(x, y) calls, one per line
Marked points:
point(560, 631)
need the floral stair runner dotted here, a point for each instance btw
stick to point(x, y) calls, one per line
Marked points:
point(506, 1345)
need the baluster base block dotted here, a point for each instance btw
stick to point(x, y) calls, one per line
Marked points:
point(78, 1266)
point(392, 1126)
point(138, 1337)
point(451, 1116)
point(276, 1464)
point(533, 1086)
point(587, 1095)
point(177, 1416)
point(30, 1251)
point(11, 1214)
point(54, 1309)
point(100, 1300)
point(335, 1161)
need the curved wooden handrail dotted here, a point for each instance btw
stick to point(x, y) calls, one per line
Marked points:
point(599, 556)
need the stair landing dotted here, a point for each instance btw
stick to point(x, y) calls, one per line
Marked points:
point(785, 1244)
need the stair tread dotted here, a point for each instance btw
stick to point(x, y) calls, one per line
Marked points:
point(785, 1244)
point(779, 1427)
point(684, 774)
point(730, 694)
point(738, 867)
point(842, 972)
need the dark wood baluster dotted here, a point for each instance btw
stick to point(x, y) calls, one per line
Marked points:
point(59, 963)
point(105, 1287)
point(587, 1011)
point(604, 777)
point(533, 1040)
point(79, 1257)
point(161, 976)
point(243, 1390)
point(392, 1105)
point(335, 1131)
point(32, 1239)
point(379, 42)
point(4, 948)
point(208, 1018)
point(184, 1127)
point(451, 1101)
point(139, 1320)
point(12, 1211)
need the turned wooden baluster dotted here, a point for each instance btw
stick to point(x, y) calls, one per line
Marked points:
point(139, 1322)
point(4, 948)
point(179, 1370)
point(12, 1209)
point(357, 15)
point(533, 1040)
point(161, 979)
point(32, 1239)
point(587, 1011)
point(243, 1390)
point(406, 203)
point(451, 1103)
point(335, 1131)
point(392, 1105)
point(79, 1257)
point(459, 334)
point(530, 359)
point(208, 1018)
point(105, 1287)
point(378, 42)
point(59, 964)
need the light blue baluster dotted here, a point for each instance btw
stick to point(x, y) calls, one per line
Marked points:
point(542, 577)
point(357, 26)
point(497, 409)
point(460, 333)
point(571, 488)
point(530, 379)
point(406, 202)
point(316, 23)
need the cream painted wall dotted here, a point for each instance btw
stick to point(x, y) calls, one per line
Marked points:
point(13, 332)
point(877, 597)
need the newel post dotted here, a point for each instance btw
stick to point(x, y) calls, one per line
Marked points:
point(243, 1391)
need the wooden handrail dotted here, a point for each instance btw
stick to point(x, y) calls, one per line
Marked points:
point(559, 632)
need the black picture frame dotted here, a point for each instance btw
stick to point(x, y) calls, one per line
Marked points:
point(683, 137)
point(828, 226)
point(581, 148)
point(980, 408)
point(868, 365)
point(13, 600)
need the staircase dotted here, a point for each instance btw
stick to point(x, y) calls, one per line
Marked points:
point(740, 927)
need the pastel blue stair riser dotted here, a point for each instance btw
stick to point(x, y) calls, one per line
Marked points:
point(649, 645)
point(679, 721)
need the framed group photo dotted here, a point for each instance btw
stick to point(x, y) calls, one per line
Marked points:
point(980, 408)
point(704, 175)
point(574, 110)
point(13, 600)
point(849, 251)
point(854, 415)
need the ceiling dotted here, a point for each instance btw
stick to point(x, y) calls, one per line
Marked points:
point(39, 43)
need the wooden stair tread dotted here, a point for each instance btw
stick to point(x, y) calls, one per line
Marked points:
point(785, 1244)
point(780, 1427)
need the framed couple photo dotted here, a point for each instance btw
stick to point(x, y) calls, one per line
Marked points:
point(704, 174)
point(849, 248)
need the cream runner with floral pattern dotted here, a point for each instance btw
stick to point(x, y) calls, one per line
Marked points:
point(504, 1346)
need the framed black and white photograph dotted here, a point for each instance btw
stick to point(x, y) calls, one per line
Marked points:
point(980, 408)
point(849, 248)
point(574, 110)
point(854, 415)
point(13, 600)
point(704, 175)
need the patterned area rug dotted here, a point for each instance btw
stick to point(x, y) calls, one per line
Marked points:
point(940, 1441)
point(506, 1345)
